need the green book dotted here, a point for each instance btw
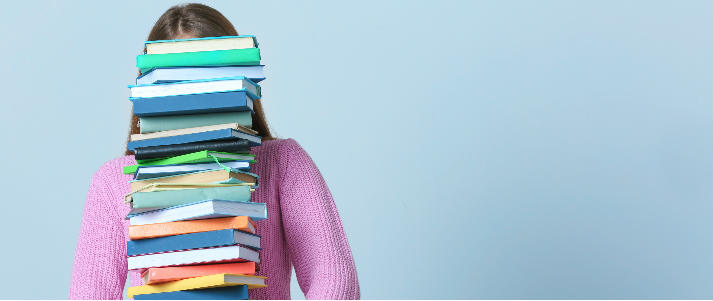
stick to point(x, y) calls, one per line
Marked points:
point(168, 198)
point(247, 56)
point(175, 122)
point(197, 157)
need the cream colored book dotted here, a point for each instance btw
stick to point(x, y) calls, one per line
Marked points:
point(216, 280)
point(201, 177)
point(186, 131)
point(200, 44)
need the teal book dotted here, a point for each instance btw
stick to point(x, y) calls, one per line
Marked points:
point(175, 122)
point(168, 198)
point(233, 57)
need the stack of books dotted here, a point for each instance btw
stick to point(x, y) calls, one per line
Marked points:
point(192, 221)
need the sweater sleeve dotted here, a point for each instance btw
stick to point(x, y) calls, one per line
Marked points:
point(313, 230)
point(99, 270)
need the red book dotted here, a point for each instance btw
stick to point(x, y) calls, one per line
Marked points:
point(158, 275)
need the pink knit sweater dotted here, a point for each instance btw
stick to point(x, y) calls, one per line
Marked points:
point(303, 229)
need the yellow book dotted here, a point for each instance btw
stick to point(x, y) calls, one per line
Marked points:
point(210, 281)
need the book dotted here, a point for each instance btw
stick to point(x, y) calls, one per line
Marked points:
point(200, 210)
point(169, 198)
point(247, 56)
point(193, 130)
point(206, 176)
point(220, 134)
point(199, 86)
point(164, 151)
point(158, 275)
point(236, 292)
point(230, 101)
point(195, 157)
point(217, 280)
point(174, 122)
point(157, 171)
point(200, 44)
point(193, 256)
point(242, 223)
point(198, 240)
point(173, 74)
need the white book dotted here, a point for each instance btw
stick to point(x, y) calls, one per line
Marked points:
point(155, 171)
point(200, 44)
point(201, 210)
point(195, 87)
point(193, 130)
point(194, 256)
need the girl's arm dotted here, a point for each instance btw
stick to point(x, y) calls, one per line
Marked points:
point(315, 238)
point(100, 257)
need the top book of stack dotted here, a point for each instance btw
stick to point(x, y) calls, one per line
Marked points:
point(200, 52)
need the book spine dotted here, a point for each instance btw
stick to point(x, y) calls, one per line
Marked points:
point(221, 134)
point(241, 223)
point(168, 198)
point(237, 292)
point(180, 242)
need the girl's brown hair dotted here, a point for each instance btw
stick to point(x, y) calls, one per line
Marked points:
point(200, 21)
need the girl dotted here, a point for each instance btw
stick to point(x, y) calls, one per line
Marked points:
point(303, 228)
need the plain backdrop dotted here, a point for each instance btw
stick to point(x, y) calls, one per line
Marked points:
point(474, 149)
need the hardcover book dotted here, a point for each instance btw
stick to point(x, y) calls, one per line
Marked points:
point(199, 240)
point(217, 280)
point(196, 157)
point(169, 198)
point(230, 101)
point(242, 223)
point(247, 56)
point(193, 256)
point(164, 151)
point(221, 134)
point(199, 86)
point(206, 176)
point(237, 292)
point(200, 44)
point(193, 130)
point(158, 275)
point(200, 210)
point(157, 171)
point(169, 75)
point(150, 124)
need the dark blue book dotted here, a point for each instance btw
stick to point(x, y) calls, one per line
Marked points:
point(236, 292)
point(192, 241)
point(221, 134)
point(233, 101)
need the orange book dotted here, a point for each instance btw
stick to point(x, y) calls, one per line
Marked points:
point(242, 223)
point(158, 275)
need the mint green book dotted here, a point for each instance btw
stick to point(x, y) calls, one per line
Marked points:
point(175, 122)
point(168, 198)
point(197, 157)
point(233, 57)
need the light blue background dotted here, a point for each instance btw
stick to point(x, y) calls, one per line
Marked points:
point(475, 149)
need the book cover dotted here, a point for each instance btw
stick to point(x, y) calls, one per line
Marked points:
point(174, 122)
point(217, 280)
point(150, 172)
point(205, 176)
point(158, 275)
point(221, 134)
point(200, 210)
point(232, 101)
point(195, 157)
point(199, 86)
point(164, 151)
point(248, 56)
point(233, 253)
point(237, 292)
point(198, 240)
point(177, 74)
point(242, 223)
point(200, 44)
point(169, 198)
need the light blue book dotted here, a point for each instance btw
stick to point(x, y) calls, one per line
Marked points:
point(175, 122)
point(170, 75)
point(200, 210)
point(221, 134)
